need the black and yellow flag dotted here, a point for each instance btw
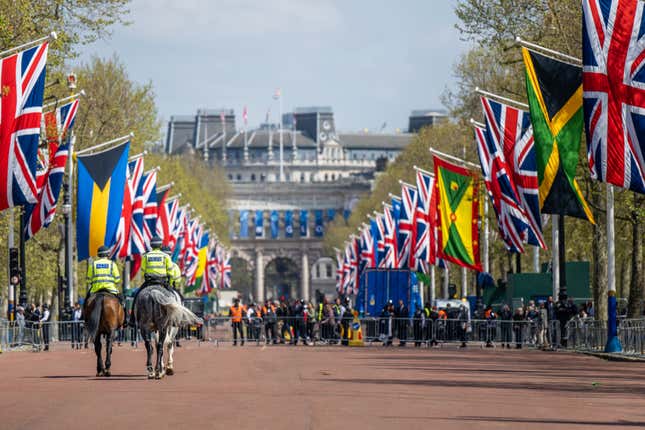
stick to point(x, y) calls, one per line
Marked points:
point(555, 100)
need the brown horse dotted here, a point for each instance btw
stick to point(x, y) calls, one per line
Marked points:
point(103, 316)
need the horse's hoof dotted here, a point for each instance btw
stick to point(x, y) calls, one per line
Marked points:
point(100, 373)
point(170, 372)
point(107, 373)
point(159, 375)
point(151, 375)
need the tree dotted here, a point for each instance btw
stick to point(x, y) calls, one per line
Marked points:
point(76, 22)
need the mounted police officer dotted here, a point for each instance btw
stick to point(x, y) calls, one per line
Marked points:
point(157, 268)
point(103, 275)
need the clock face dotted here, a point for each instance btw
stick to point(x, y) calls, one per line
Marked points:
point(322, 136)
point(326, 125)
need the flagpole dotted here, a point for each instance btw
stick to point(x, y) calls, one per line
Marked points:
point(562, 258)
point(485, 240)
point(22, 296)
point(12, 292)
point(50, 36)
point(536, 259)
point(109, 142)
point(446, 281)
point(456, 159)
point(613, 343)
point(68, 189)
point(432, 285)
point(205, 137)
point(536, 47)
point(500, 98)
point(555, 266)
point(464, 282)
point(64, 99)
point(281, 141)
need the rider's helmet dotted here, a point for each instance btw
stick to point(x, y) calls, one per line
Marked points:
point(156, 242)
point(103, 251)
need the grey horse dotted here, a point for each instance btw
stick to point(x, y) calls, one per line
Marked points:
point(159, 314)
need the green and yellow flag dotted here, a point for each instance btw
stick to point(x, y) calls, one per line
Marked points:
point(555, 100)
point(458, 214)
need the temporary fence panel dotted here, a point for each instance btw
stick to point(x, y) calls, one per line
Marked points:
point(381, 285)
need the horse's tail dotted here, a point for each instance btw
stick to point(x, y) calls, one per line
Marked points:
point(95, 318)
point(176, 314)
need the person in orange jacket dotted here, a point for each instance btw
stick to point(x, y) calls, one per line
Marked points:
point(236, 313)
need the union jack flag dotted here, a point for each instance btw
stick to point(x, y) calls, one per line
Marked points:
point(339, 271)
point(51, 180)
point(135, 238)
point(367, 249)
point(166, 220)
point(380, 239)
point(354, 257)
point(150, 207)
point(511, 130)
point(347, 270)
point(389, 235)
point(613, 79)
point(421, 249)
point(406, 225)
point(22, 83)
point(42, 213)
point(225, 269)
point(191, 255)
point(176, 229)
point(510, 216)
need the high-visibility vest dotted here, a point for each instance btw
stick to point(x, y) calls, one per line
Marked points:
point(236, 313)
point(103, 274)
point(321, 308)
point(156, 263)
point(175, 275)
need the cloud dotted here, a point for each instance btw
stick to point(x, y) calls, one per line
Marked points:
point(212, 20)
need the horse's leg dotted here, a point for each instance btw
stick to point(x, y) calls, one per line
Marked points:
point(108, 353)
point(99, 360)
point(171, 349)
point(146, 341)
point(160, 341)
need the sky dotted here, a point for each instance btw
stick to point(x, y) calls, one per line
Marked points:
point(372, 61)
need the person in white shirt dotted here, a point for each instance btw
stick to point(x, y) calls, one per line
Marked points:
point(44, 321)
point(77, 329)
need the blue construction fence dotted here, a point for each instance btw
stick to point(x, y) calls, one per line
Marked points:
point(378, 286)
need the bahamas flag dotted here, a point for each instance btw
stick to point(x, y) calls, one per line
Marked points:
point(101, 183)
point(202, 256)
point(555, 100)
point(458, 212)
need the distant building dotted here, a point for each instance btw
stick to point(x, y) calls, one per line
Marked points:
point(324, 171)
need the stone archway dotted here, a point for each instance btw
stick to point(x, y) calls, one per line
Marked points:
point(282, 278)
point(242, 277)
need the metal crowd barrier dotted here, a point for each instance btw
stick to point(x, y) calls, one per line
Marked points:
point(591, 335)
point(577, 334)
point(420, 332)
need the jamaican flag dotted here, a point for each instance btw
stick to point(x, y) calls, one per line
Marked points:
point(458, 211)
point(555, 100)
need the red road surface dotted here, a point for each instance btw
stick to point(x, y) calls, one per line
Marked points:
point(323, 388)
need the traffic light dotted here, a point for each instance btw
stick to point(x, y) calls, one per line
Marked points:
point(14, 266)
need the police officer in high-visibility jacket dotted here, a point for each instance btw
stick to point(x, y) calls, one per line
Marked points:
point(156, 266)
point(103, 275)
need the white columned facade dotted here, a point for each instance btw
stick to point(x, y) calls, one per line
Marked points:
point(259, 277)
point(304, 281)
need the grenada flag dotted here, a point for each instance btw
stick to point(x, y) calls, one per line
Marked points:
point(457, 208)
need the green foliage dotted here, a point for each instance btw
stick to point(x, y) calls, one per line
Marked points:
point(115, 106)
point(76, 22)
